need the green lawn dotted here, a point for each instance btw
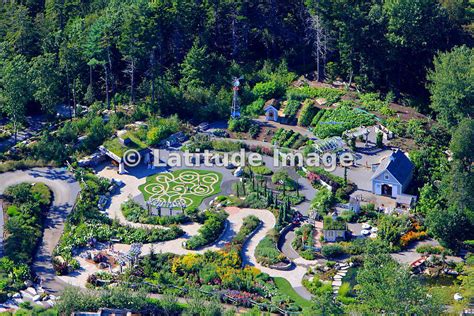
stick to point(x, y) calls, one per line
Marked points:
point(285, 287)
point(190, 186)
point(116, 147)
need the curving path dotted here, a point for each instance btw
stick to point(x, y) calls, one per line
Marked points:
point(287, 248)
point(235, 220)
point(65, 191)
point(234, 223)
point(294, 276)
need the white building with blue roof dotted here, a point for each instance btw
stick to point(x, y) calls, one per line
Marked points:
point(393, 175)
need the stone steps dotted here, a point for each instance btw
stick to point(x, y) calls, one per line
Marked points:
point(337, 282)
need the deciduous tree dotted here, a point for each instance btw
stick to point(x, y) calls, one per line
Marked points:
point(452, 91)
point(15, 89)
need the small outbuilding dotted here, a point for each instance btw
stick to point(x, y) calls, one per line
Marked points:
point(271, 110)
point(334, 229)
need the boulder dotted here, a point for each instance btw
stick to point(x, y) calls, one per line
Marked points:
point(25, 294)
point(32, 290)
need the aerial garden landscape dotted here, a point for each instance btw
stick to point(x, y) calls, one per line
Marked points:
point(349, 126)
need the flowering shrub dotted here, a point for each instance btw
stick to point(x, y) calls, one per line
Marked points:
point(412, 236)
point(313, 177)
point(260, 149)
point(415, 233)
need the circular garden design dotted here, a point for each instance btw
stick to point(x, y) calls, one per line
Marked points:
point(187, 187)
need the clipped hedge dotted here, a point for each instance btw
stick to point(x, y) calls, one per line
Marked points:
point(307, 113)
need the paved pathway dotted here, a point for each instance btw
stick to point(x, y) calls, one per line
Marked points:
point(235, 220)
point(302, 130)
point(65, 190)
point(294, 276)
point(175, 246)
point(287, 249)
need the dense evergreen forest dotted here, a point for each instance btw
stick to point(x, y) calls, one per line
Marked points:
point(178, 56)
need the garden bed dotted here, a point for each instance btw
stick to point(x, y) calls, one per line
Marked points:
point(213, 228)
point(217, 272)
point(289, 139)
point(135, 213)
point(333, 122)
point(24, 212)
point(304, 242)
point(267, 254)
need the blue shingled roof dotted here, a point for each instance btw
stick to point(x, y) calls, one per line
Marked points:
point(398, 165)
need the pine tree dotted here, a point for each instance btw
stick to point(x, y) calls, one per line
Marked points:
point(269, 198)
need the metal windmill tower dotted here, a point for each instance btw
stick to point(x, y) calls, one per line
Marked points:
point(235, 111)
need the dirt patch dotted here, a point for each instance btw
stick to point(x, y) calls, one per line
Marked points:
point(405, 144)
point(266, 133)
